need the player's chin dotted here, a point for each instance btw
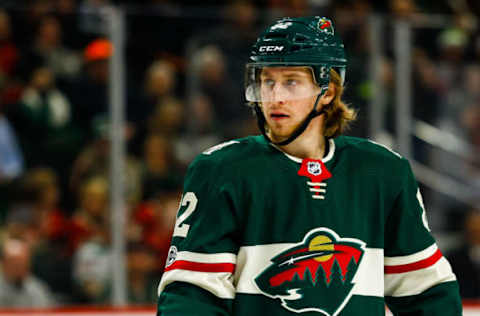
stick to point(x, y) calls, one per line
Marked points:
point(280, 133)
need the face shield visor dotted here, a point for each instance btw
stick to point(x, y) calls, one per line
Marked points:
point(274, 83)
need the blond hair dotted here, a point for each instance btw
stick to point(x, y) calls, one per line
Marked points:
point(338, 115)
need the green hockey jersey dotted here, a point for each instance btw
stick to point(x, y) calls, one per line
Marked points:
point(260, 232)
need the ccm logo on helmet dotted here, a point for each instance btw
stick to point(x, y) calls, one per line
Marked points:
point(270, 48)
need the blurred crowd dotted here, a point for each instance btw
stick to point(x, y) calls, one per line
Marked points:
point(184, 93)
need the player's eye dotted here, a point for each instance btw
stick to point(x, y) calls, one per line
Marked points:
point(291, 82)
point(268, 82)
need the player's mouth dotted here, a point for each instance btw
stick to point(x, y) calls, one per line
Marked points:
point(278, 116)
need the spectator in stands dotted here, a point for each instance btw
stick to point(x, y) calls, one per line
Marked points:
point(91, 218)
point(89, 93)
point(18, 287)
point(154, 220)
point(218, 64)
point(202, 110)
point(466, 260)
point(210, 64)
point(48, 48)
point(11, 162)
point(167, 119)
point(45, 120)
point(20, 221)
point(160, 110)
point(160, 83)
point(94, 160)
point(11, 157)
point(33, 215)
point(92, 256)
point(203, 132)
point(42, 193)
point(160, 170)
point(92, 269)
point(53, 247)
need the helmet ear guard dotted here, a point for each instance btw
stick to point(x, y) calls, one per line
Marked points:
point(322, 74)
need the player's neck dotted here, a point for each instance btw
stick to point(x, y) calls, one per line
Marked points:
point(310, 144)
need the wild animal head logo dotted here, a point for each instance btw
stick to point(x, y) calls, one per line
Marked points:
point(314, 275)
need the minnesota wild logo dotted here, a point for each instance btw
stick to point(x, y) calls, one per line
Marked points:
point(315, 275)
point(325, 25)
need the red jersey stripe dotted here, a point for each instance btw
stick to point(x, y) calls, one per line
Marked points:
point(201, 267)
point(422, 264)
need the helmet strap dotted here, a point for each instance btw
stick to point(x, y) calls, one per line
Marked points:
point(314, 113)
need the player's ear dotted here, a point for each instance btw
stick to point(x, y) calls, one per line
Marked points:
point(329, 95)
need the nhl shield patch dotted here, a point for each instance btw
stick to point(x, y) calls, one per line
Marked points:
point(315, 275)
point(314, 168)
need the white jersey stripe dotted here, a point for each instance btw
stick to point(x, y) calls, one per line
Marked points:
point(415, 282)
point(206, 257)
point(250, 261)
point(418, 256)
point(217, 283)
point(369, 278)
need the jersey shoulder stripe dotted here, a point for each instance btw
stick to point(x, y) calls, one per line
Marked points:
point(420, 260)
point(417, 281)
point(219, 284)
point(411, 258)
point(219, 262)
point(201, 267)
point(212, 272)
point(425, 263)
point(412, 274)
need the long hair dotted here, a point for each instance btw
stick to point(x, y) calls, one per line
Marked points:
point(338, 115)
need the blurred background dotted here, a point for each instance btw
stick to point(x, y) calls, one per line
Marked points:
point(104, 103)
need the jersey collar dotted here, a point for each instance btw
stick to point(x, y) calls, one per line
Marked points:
point(328, 157)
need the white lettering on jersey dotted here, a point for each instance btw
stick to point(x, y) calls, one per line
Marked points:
point(210, 150)
point(424, 214)
point(181, 230)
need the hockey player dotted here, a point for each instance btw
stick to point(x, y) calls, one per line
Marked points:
point(301, 219)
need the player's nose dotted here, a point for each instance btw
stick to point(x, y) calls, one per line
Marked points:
point(279, 93)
